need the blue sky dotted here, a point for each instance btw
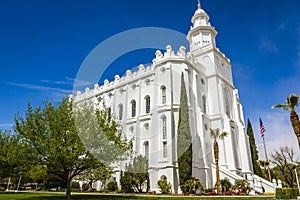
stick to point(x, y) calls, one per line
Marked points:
point(43, 44)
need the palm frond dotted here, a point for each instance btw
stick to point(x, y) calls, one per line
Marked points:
point(214, 133)
point(283, 106)
point(224, 134)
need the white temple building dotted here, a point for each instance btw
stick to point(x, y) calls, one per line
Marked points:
point(146, 103)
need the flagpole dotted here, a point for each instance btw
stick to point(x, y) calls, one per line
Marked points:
point(262, 132)
point(267, 160)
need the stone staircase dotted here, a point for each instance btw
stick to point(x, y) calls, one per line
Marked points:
point(258, 184)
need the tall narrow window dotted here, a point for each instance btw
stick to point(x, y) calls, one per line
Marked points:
point(133, 108)
point(227, 103)
point(109, 112)
point(147, 99)
point(204, 103)
point(120, 111)
point(164, 127)
point(165, 152)
point(146, 146)
point(163, 95)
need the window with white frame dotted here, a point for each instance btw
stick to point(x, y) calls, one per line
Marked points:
point(147, 102)
point(163, 95)
point(164, 127)
point(165, 150)
point(133, 108)
point(120, 111)
point(204, 103)
point(146, 148)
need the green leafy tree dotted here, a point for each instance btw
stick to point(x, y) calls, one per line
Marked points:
point(184, 139)
point(253, 148)
point(138, 170)
point(14, 155)
point(216, 135)
point(126, 182)
point(101, 134)
point(38, 174)
point(282, 160)
point(291, 104)
point(54, 135)
point(101, 173)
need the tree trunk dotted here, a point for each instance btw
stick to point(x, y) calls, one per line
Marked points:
point(216, 154)
point(295, 124)
point(68, 189)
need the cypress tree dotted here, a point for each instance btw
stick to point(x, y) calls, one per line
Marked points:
point(254, 153)
point(184, 140)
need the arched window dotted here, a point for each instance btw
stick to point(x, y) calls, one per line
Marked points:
point(146, 148)
point(163, 95)
point(120, 111)
point(165, 151)
point(164, 127)
point(133, 108)
point(204, 103)
point(163, 177)
point(147, 102)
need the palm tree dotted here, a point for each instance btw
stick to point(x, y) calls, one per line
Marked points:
point(216, 135)
point(291, 103)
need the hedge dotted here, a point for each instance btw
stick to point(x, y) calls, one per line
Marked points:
point(286, 193)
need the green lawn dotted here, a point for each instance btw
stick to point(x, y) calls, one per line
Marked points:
point(43, 196)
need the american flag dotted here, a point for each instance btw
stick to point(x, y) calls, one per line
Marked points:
point(262, 129)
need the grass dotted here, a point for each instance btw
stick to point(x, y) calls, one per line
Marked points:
point(91, 196)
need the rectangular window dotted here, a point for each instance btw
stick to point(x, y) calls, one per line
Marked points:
point(165, 152)
point(163, 95)
point(164, 127)
point(133, 108)
point(147, 104)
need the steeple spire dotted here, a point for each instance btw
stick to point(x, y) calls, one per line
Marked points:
point(199, 5)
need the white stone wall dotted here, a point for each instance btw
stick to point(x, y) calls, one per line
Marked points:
point(207, 73)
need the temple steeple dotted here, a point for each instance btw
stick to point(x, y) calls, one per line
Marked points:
point(201, 34)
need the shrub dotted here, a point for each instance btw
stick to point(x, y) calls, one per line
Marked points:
point(112, 186)
point(62, 190)
point(85, 187)
point(126, 182)
point(286, 193)
point(164, 186)
point(209, 190)
point(75, 185)
point(242, 186)
point(225, 185)
point(191, 186)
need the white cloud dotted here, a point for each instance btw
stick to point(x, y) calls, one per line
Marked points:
point(40, 88)
point(79, 82)
point(279, 133)
point(6, 125)
point(268, 45)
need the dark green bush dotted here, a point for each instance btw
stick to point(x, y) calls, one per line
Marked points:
point(75, 185)
point(126, 182)
point(225, 185)
point(191, 186)
point(164, 186)
point(286, 193)
point(62, 190)
point(85, 187)
point(112, 186)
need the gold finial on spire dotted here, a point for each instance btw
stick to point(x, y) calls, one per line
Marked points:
point(199, 5)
